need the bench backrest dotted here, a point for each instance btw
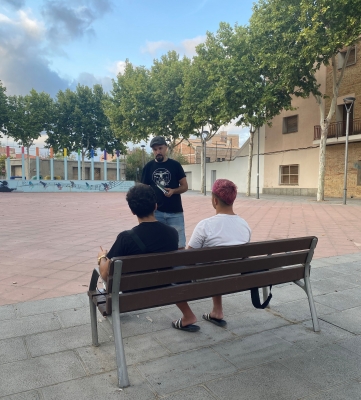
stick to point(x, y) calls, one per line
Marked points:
point(145, 280)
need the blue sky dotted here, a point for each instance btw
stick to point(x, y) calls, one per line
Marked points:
point(50, 45)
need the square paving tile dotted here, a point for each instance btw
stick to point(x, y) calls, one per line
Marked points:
point(272, 381)
point(325, 366)
point(169, 374)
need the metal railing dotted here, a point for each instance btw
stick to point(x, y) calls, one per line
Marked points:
point(338, 129)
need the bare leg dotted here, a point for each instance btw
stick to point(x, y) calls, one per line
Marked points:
point(217, 311)
point(188, 316)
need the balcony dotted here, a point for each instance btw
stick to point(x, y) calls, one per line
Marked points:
point(338, 129)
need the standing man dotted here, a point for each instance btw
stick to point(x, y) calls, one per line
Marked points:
point(167, 178)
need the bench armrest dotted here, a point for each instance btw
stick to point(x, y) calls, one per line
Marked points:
point(94, 279)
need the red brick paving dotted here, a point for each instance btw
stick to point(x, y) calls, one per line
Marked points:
point(48, 242)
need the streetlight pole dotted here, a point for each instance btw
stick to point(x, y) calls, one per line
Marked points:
point(348, 105)
point(143, 158)
point(204, 136)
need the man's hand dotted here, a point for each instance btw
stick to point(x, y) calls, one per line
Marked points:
point(102, 252)
point(169, 192)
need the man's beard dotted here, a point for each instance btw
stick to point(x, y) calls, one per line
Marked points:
point(159, 157)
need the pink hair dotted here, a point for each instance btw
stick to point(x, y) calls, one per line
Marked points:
point(225, 190)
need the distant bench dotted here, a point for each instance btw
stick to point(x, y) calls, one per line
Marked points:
point(146, 280)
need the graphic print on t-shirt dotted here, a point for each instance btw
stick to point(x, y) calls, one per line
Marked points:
point(161, 176)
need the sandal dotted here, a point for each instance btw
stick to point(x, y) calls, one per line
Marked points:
point(188, 328)
point(215, 321)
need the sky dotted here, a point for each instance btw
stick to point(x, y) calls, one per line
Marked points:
point(51, 45)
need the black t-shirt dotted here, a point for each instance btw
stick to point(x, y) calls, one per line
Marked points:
point(167, 174)
point(157, 238)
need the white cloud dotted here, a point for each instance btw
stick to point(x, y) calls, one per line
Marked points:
point(153, 47)
point(30, 26)
point(186, 47)
point(117, 67)
point(4, 19)
point(190, 45)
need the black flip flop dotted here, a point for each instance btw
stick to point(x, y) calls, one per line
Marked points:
point(219, 322)
point(188, 328)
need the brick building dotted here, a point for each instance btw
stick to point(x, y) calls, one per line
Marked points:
point(221, 147)
point(291, 151)
point(335, 153)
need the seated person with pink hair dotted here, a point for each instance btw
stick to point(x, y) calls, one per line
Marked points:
point(223, 229)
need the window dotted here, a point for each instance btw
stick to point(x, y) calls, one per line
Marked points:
point(208, 159)
point(290, 124)
point(351, 58)
point(289, 175)
point(358, 167)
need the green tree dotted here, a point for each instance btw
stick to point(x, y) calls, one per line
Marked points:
point(202, 108)
point(176, 155)
point(130, 108)
point(3, 109)
point(28, 116)
point(249, 99)
point(2, 164)
point(295, 38)
point(80, 123)
point(134, 161)
point(167, 77)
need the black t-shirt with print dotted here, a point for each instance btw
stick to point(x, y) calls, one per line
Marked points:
point(167, 174)
point(157, 238)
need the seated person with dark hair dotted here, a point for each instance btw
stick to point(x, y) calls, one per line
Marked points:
point(156, 237)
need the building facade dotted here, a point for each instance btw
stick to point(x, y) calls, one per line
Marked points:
point(221, 147)
point(336, 142)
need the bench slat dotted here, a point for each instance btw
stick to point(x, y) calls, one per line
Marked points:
point(164, 277)
point(198, 290)
point(145, 262)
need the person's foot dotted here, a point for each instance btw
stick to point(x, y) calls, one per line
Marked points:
point(188, 320)
point(216, 315)
point(216, 321)
point(188, 328)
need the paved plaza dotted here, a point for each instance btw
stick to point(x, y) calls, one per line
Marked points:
point(48, 247)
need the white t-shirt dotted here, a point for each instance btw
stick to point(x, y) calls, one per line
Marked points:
point(220, 230)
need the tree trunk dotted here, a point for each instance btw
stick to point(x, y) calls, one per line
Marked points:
point(202, 164)
point(83, 164)
point(322, 163)
point(250, 159)
point(28, 173)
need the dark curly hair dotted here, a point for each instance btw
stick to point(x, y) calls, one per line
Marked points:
point(141, 200)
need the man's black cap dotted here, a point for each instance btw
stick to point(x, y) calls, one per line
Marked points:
point(158, 141)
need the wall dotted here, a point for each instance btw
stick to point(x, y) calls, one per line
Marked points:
point(350, 85)
point(72, 169)
point(335, 168)
point(45, 186)
point(235, 170)
point(335, 153)
point(308, 172)
point(294, 148)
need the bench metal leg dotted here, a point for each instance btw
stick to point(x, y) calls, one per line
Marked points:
point(308, 290)
point(306, 286)
point(265, 295)
point(123, 379)
point(93, 321)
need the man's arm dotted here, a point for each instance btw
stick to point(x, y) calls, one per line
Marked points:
point(183, 187)
point(145, 176)
point(103, 264)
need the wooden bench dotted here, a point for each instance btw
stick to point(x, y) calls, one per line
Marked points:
point(144, 281)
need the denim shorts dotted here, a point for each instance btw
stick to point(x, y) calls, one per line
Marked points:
point(176, 220)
